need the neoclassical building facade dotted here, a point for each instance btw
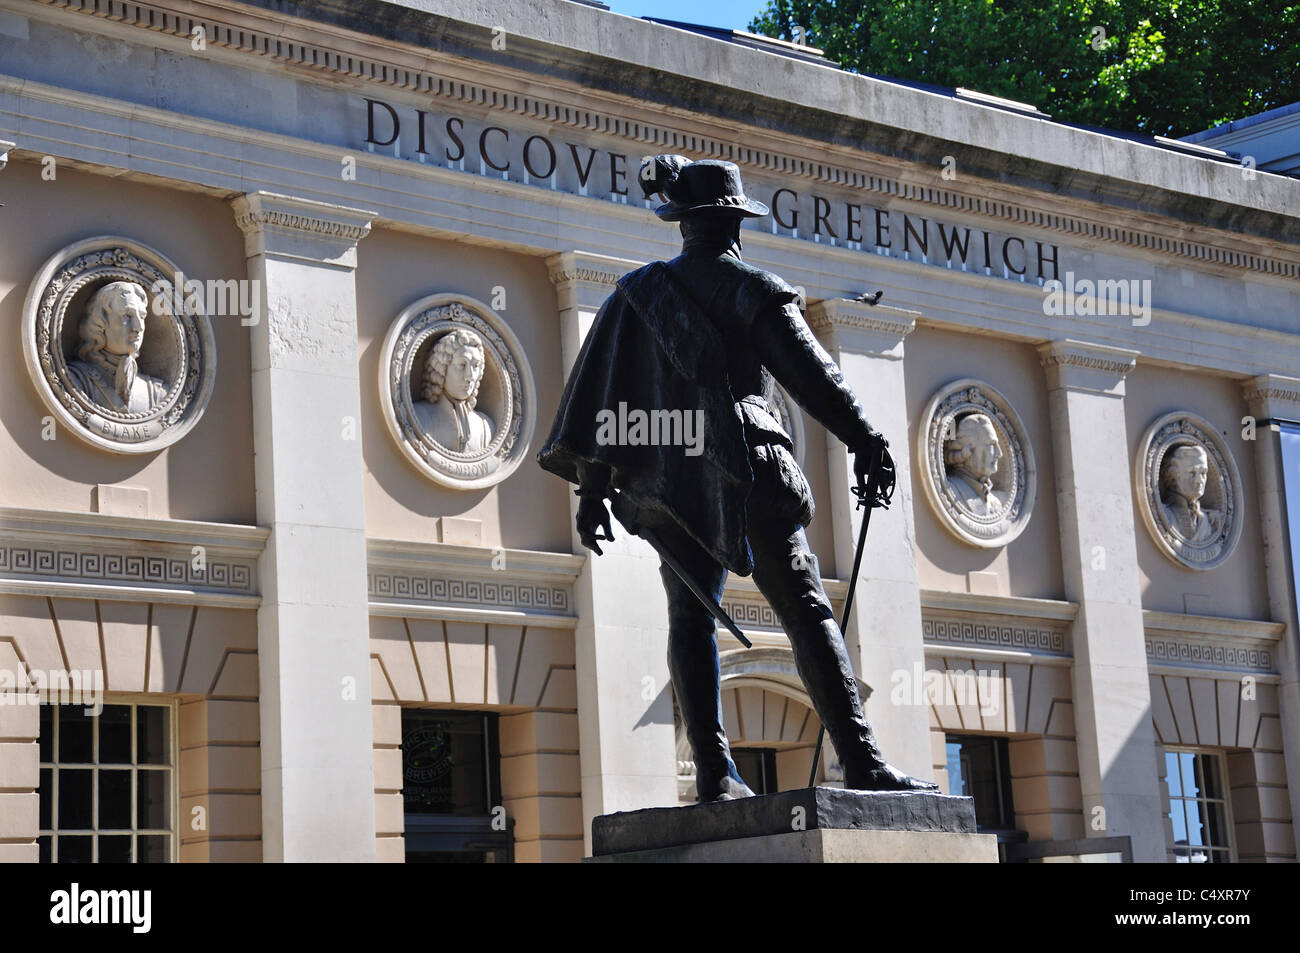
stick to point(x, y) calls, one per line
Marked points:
point(296, 287)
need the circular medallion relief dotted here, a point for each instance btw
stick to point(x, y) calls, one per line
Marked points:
point(116, 352)
point(456, 391)
point(1189, 491)
point(976, 464)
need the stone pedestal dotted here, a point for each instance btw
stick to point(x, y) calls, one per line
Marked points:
point(810, 825)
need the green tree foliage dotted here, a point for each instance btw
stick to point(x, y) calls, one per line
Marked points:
point(1167, 67)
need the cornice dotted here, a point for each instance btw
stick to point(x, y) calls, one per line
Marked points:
point(95, 556)
point(1221, 627)
point(1010, 606)
point(17, 520)
point(336, 53)
point(1210, 644)
point(1005, 628)
point(471, 583)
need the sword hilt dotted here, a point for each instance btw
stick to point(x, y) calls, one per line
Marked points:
point(877, 490)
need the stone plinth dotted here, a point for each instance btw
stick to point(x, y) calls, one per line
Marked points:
point(810, 825)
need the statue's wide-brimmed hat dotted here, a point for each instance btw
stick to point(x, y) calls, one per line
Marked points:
point(709, 185)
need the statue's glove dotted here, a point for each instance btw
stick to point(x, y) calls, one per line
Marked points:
point(593, 516)
point(876, 448)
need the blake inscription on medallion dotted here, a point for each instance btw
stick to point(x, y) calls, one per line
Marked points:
point(122, 367)
point(456, 391)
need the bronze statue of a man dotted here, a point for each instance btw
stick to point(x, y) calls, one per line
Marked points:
point(706, 333)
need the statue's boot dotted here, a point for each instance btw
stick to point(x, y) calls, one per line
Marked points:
point(834, 692)
point(693, 664)
point(787, 573)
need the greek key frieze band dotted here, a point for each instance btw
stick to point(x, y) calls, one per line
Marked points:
point(1018, 636)
point(1188, 653)
point(481, 593)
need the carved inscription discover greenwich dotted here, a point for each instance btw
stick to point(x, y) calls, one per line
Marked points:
point(544, 161)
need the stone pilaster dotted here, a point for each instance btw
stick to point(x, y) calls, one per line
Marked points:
point(625, 708)
point(1094, 496)
point(1272, 397)
point(884, 630)
point(318, 797)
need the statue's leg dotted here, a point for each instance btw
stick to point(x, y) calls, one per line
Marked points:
point(693, 664)
point(786, 572)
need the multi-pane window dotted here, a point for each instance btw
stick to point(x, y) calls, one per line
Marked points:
point(107, 784)
point(978, 767)
point(1198, 808)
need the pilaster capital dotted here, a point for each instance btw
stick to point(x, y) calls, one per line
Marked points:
point(1273, 396)
point(584, 279)
point(1079, 365)
point(857, 326)
point(291, 227)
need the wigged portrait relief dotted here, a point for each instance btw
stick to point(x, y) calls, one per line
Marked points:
point(457, 392)
point(1188, 490)
point(111, 353)
point(972, 460)
point(453, 373)
point(111, 334)
point(976, 465)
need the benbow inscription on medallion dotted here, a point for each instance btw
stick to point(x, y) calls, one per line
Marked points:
point(1188, 491)
point(976, 464)
point(457, 392)
point(109, 352)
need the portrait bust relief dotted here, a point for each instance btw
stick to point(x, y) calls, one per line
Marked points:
point(1188, 491)
point(456, 391)
point(1183, 476)
point(452, 375)
point(112, 352)
point(976, 465)
point(111, 334)
point(972, 459)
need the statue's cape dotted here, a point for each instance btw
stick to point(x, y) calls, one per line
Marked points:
point(652, 348)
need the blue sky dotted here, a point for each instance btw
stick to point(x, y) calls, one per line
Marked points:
point(730, 14)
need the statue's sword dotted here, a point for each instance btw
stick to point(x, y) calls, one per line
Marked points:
point(621, 510)
point(869, 496)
